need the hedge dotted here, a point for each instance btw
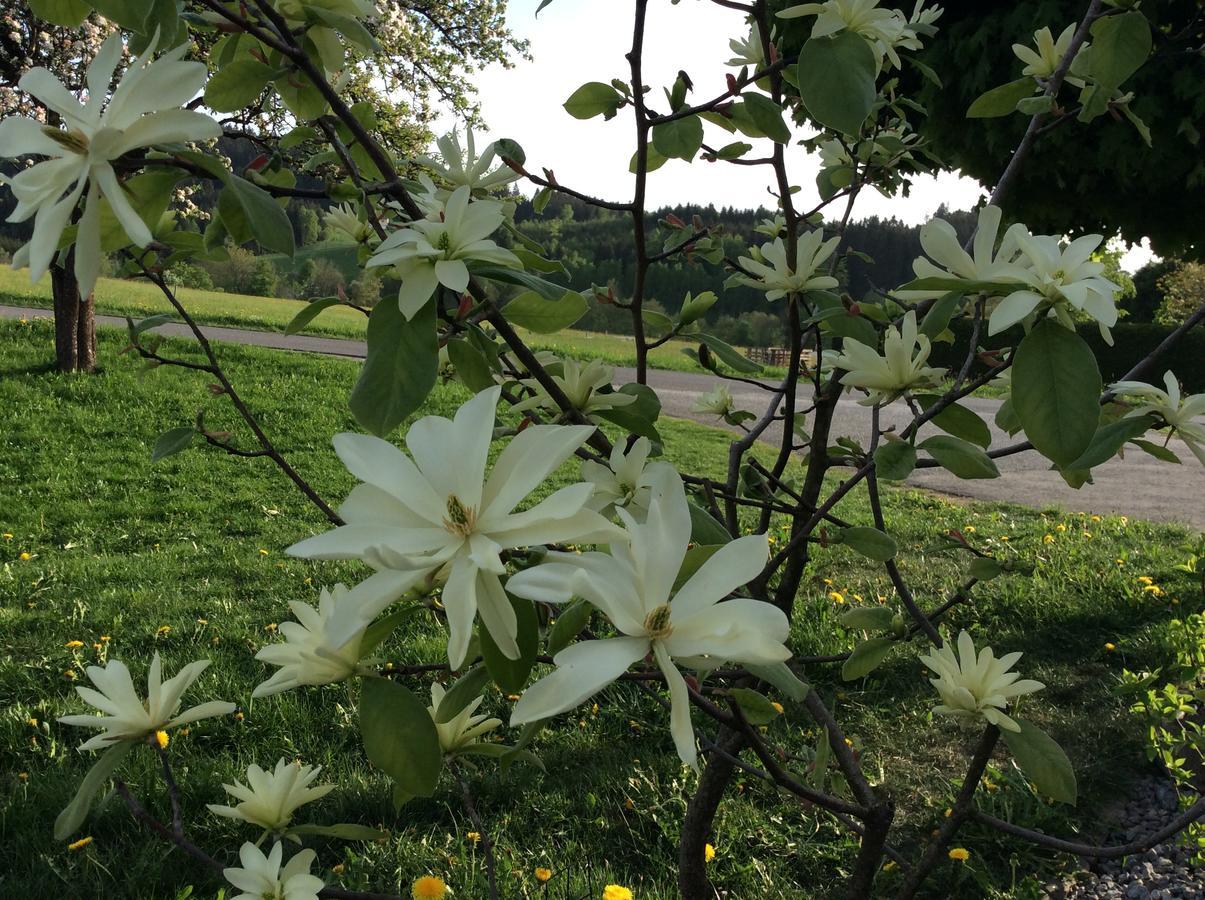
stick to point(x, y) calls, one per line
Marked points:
point(1131, 343)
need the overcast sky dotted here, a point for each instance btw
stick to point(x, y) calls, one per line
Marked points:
point(575, 41)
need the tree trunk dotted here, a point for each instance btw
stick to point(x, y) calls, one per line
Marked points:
point(74, 323)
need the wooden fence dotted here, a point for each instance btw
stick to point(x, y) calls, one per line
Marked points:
point(779, 356)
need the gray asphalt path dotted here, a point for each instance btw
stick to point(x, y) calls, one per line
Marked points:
point(1138, 486)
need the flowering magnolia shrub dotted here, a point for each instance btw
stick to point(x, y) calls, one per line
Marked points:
point(634, 571)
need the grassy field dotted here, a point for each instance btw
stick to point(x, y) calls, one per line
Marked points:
point(186, 557)
point(139, 299)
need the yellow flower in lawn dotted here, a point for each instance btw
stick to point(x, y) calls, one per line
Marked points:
point(474, 836)
point(105, 638)
point(836, 596)
point(960, 854)
point(25, 557)
point(80, 844)
point(8, 535)
point(708, 853)
point(543, 875)
point(337, 869)
point(163, 630)
point(777, 706)
point(616, 892)
point(1110, 646)
point(1060, 528)
point(263, 552)
point(162, 739)
point(1154, 590)
point(428, 888)
point(69, 673)
point(73, 645)
point(1145, 579)
point(1096, 518)
point(32, 723)
point(1048, 539)
point(23, 776)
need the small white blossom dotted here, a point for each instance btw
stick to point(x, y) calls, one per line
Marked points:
point(986, 262)
point(269, 799)
point(633, 586)
point(1043, 62)
point(1179, 414)
point(901, 367)
point(343, 218)
point(462, 167)
point(262, 878)
point(143, 111)
point(716, 402)
point(627, 483)
point(437, 516)
point(780, 277)
point(884, 29)
point(977, 687)
point(129, 717)
point(435, 250)
point(463, 729)
point(747, 51)
point(581, 385)
point(308, 655)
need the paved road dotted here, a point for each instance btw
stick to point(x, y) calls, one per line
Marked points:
point(1137, 486)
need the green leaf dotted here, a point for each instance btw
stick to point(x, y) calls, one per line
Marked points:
point(694, 308)
point(237, 84)
point(767, 116)
point(471, 366)
point(173, 441)
point(679, 139)
point(547, 289)
point(706, 528)
point(959, 286)
point(309, 312)
point(68, 13)
point(1002, 100)
point(511, 674)
point(868, 618)
point(301, 96)
point(735, 150)
point(1159, 452)
point(937, 319)
point(150, 322)
point(531, 311)
point(345, 831)
point(129, 14)
point(466, 689)
point(1042, 760)
point(346, 25)
point(837, 80)
point(568, 625)
point(867, 657)
point(265, 218)
point(870, 542)
point(376, 633)
point(400, 369)
point(757, 707)
point(1120, 45)
point(780, 675)
point(657, 321)
point(894, 460)
point(728, 354)
point(958, 421)
point(593, 99)
point(1109, 439)
point(639, 417)
point(1056, 391)
point(1006, 418)
point(399, 736)
point(984, 568)
point(960, 457)
point(71, 818)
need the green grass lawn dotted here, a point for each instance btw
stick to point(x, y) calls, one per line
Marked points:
point(186, 557)
point(140, 299)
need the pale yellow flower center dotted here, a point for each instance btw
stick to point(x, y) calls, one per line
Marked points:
point(657, 624)
point(461, 519)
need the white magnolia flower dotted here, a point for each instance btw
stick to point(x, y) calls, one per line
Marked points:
point(581, 386)
point(627, 483)
point(717, 402)
point(780, 277)
point(986, 262)
point(262, 878)
point(1043, 62)
point(269, 799)
point(434, 251)
point(900, 368)
point(308, 655)
point(633, 586)
point(1059, 276)
point(464, 728)
point(833, 155)
point(977, 687)
point(143, 111)
point(130, 718)
point(884, 29)
point(747, 51)
point(463, 167)
point(438, 516)
point(1180, 414)
point(344, 218)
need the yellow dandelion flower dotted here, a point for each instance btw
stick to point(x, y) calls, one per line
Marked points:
point(201, 621)
point(828, 582)
point(889, 865)
point(23, 776)
point(271, 626)
point(836, 596)
point(428, 888)
point(594, 710)
point(163, 630)
point(1124, 520)
point(708, 853)
point(1095, 518)
point(26, 557)
point(777, 706)
point(1145, 579)
point(961, 854)
point(1119, 561)
point(69, 673)
point(1048, 539)
point(1060, 528)
point(184, 732)
point(474, 836)
point(32, 723)
point(308, 581)
point(162, 739)
point(104, 638)
point(238, 716)
point(949, 812)
point(543, 875)
point(513, 698)
point(1154, 590)
point(1004, 537)
point(80, 844)
point(616, 892)
point(1087, 535)
point(73, 645)
point(337, 869)
point(263, 552)
point(8, 535)
point(970, 529)
point(628, 804)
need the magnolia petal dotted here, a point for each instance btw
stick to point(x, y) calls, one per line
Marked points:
point(531, 456)
point(377, 461)
point(204, 711)
point(87, 244)
point(418, 284)
point(735, 564)
point(22, 137)
point(1012, 309)
point(460, 602)
point(497, 614)
point(451, 453)
point(680, 727)
point(582, 670)
point(130, 221)
point(452, 274)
